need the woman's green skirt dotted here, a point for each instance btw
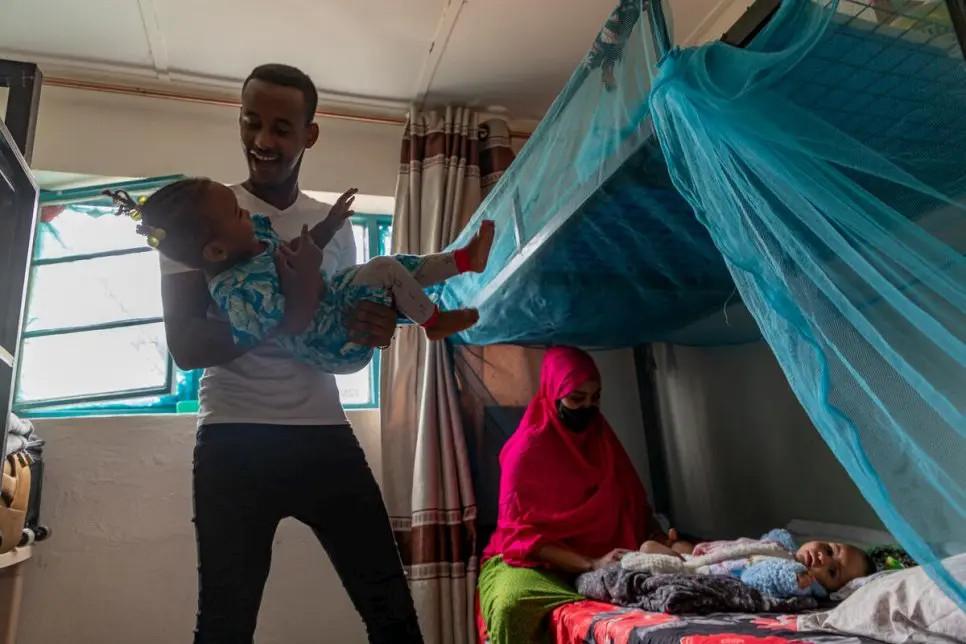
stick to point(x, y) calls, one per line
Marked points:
point(516, 602)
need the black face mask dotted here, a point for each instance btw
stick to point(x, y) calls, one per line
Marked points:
point(576, 420)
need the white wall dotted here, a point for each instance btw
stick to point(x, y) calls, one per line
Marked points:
point(743, 457)
point(104, 134)
point(621, 404)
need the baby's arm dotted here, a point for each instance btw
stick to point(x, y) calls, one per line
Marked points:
point(782, 537)
point(780, 578)
point(300, 283)
point(323, 232)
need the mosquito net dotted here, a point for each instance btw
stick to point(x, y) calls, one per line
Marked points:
point(594, 244)
point(819, 170)
point(826, 161)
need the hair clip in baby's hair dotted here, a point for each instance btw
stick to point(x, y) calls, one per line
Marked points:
point(135, 214)
point(128, 206)
point(156, 237)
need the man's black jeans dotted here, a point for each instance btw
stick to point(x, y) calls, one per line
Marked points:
point(247, 478)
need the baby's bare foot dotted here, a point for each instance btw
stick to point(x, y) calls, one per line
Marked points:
point(451, 322)
point(479, 247)
point(656, 548)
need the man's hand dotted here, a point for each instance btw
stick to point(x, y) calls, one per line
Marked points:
point(371, 324)
point(325, 230)
point(299, 272)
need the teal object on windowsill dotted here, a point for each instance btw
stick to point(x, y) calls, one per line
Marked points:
point(187, 407)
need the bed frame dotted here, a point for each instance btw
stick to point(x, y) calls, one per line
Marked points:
point(18, 217)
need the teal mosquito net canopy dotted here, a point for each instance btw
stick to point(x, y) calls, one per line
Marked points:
point(816, 175)
point(826, 160)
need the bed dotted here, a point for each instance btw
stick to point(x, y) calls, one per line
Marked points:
point(589, 621)
point(898, 606)
point(592, 621)
point(595, 247)
point(599, 623)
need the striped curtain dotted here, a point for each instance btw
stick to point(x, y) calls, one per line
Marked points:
point(449, 161)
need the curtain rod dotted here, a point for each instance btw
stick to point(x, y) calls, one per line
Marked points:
point(128, 90)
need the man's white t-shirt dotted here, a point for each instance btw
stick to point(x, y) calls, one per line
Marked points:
point(267, 385)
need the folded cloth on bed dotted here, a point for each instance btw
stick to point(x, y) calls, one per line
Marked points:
point(677, 594)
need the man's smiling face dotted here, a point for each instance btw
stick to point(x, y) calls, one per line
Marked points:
point(276, 129)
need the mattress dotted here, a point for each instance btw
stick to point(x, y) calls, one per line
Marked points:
point(593, 622)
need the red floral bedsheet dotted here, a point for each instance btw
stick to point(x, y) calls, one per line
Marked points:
point(596, 623)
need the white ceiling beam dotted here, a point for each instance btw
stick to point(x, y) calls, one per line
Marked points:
point(152, 31)
point(437, 48)
point(213, 87)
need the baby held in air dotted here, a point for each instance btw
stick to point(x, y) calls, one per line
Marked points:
point(199, 223)
point(774, 565)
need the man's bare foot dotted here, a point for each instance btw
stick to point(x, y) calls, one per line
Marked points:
point(478, 250)
point(452, 322)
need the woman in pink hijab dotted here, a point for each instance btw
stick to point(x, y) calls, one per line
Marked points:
point(570, 502)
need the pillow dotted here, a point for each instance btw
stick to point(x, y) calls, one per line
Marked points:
point(901, 607)
point(849, 589)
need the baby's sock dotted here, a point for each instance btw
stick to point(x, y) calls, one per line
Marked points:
point(428, 324)
point(461, 257)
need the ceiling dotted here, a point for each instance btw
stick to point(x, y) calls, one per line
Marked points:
point(511, 55)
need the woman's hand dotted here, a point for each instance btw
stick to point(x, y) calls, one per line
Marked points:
point(612, 557)
point(372, 325)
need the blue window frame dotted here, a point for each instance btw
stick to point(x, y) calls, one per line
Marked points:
point(93, 341)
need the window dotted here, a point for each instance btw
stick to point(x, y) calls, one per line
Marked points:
point(93, 339)
point(373, 234)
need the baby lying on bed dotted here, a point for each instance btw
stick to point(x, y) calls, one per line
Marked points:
point(773, 565)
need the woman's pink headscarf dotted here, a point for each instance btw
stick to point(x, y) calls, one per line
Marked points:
point(576, 490)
